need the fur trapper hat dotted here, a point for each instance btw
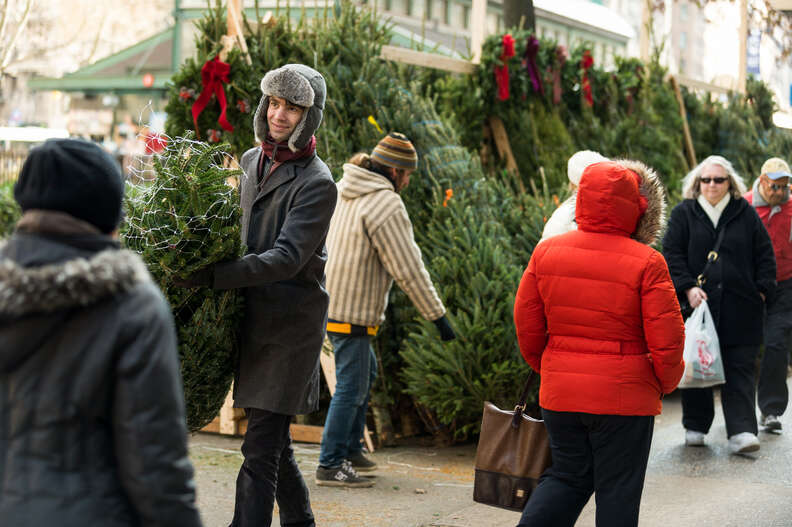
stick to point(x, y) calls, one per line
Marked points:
point(299, 85)
point(579, 161)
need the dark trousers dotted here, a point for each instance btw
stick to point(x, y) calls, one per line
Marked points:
point(738, 395)
point(270, 472)
point(773, 394)
point(601, 454)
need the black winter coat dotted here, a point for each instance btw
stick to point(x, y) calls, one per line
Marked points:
point(284, 225)
point(745, 266)
point(92, 427)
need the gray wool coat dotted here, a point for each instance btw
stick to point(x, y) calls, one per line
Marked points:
point(284, 225)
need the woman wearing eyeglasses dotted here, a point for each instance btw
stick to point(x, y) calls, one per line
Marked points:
point(737, 285)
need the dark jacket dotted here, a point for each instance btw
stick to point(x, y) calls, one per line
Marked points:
point(745, 266)
point(284, 225)
point(92, 427)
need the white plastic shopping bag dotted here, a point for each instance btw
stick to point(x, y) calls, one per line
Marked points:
point(703, 362)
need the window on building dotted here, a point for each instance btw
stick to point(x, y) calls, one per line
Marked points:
point(447, 12)
point(683, 12)
point(466, 16)
point(682, 66)
point(682, 40)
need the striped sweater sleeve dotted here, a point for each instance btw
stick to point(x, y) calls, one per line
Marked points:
point(401, 257)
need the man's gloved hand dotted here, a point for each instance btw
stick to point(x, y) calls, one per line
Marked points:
point(201, 278)
point(446, 331)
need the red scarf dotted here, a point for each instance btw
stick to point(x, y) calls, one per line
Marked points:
point(279, 153)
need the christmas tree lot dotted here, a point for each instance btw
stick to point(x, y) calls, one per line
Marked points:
point(475, 221)
point(186, 218)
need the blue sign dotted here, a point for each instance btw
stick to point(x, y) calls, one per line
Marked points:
point(752, 48)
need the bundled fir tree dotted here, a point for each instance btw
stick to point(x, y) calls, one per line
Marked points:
point(185, 219)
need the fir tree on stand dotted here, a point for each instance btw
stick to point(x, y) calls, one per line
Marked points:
point(182, 221)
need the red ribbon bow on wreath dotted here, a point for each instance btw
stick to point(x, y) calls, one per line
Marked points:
point(529, 63)
point(213, 75)
point(502, 72)
point(587, 62)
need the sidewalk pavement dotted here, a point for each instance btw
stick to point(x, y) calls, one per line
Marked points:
point(432, 487)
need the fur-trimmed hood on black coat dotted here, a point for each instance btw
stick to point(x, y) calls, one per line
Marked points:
point(92, 428)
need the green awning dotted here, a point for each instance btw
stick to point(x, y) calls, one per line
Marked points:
point(142, 68)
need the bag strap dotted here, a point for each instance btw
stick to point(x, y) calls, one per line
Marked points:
point(712, 257)
point(520, 407)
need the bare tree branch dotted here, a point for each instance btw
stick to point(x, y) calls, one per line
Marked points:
point(5, 58)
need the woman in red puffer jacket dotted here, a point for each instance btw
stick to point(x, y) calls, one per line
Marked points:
point(597, 317)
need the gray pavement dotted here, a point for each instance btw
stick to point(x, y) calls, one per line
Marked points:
point(432, 487)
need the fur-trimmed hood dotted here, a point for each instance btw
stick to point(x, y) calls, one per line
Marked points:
point(607, 200)
point(77, 282)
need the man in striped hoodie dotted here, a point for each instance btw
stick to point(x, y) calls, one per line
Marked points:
point(370, 244)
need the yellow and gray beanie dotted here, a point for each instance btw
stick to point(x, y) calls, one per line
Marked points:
point(299, 85)
point(396, 151)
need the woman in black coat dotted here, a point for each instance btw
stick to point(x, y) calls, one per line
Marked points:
point(92, 427)
point(737, 285)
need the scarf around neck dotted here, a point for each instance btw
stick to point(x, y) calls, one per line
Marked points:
point(279, 153)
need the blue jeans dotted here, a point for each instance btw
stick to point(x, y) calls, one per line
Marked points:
point(356, 369)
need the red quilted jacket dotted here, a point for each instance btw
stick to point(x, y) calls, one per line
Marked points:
point(596, 311)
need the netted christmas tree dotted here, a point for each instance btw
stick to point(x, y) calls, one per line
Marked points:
point(9, 210)
point(185, 219)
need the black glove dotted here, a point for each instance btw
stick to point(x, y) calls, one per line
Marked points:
point(446, 331)
point(201, 278)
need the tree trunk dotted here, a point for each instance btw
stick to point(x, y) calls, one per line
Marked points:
point(515, 11)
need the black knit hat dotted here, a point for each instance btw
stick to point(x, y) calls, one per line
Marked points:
point(72, 176)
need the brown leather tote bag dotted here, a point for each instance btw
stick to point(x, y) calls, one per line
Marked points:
point(512, 454)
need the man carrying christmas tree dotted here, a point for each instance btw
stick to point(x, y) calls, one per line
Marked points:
point(288, 196)
point(370, 243)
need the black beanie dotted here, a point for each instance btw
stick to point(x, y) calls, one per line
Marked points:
point(72, 176)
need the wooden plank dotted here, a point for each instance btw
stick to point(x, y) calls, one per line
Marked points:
point(502, 142)
point(691, 152)
point(699, 85)
point(213, 427)
point(478, 28)
point(228, 422)
point(428, 60)
point(306, 433)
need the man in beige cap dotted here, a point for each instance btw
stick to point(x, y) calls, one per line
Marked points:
point(770, 197)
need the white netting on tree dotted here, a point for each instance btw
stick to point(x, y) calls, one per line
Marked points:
point(183, 216)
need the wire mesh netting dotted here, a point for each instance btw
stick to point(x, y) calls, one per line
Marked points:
point(183, 216)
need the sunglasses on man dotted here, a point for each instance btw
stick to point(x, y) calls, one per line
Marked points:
point(777, 186)
point(716, 180)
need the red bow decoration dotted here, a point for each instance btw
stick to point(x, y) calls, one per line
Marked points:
point(213, 75)
point(587, 62)
point(561, 57)
point(502, 72)
point(529, 63)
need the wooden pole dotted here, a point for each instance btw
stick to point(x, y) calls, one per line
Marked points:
point(235, 27)
point(743, 36)
point(691, 153)
point(646, 29)
point(478, 28)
